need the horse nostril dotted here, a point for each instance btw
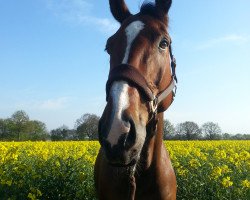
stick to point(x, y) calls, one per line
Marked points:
point(125, 127)
point(129, 139)
point(126, 120)
point(131, 136)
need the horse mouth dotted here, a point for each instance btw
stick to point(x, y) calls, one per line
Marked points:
point(120, 165)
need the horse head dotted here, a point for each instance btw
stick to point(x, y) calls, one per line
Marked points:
point(141, 79)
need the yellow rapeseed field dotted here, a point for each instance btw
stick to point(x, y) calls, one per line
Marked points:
point(205, 170)
point(212, 169)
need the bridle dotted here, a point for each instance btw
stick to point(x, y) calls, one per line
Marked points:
point(130, 74)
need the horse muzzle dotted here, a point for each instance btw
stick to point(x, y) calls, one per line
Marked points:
point(123, 151)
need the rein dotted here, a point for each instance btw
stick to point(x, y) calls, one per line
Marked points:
point(130, 74)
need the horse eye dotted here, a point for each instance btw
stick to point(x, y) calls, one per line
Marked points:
point(163, 44)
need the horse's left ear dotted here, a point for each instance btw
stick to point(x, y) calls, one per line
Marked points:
point(163, 7)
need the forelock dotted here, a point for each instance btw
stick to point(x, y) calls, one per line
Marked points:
point(149, 8)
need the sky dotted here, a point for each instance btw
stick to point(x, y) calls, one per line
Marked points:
point(54, 67)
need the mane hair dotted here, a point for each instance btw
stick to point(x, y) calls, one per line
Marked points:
point(149, 8)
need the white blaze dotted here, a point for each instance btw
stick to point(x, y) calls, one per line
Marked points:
point(131, 31)
point(119, 89)
point(119, 92)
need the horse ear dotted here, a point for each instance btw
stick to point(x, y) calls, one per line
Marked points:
point(163, 6)
point(119, 10)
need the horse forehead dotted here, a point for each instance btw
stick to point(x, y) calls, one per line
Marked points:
point(150, 23)
point(146, 25)
point(132, 31)
point(134, 27)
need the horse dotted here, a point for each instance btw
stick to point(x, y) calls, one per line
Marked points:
point(133, 163)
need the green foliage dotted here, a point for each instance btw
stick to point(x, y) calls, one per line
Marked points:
point(188, 130)
point(87, 127)
point(59, 134)
point(19, 128)
point(168, 130)
point(211, 131)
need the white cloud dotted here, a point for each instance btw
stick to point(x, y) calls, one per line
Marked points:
point(53, 104)
point(79, 12)
point(233, 39)
point(103, 24)
point(68, 6)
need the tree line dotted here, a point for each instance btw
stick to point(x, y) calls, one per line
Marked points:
point(191, 131)
point(19, 127)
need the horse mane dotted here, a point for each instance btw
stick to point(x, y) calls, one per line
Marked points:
point(149, 8)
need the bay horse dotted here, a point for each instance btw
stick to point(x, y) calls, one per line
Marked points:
point(133, 163)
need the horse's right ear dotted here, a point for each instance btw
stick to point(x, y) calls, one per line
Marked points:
point(163, 7)
point(119, 10)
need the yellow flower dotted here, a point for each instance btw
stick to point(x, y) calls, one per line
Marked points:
point(244, 155)
point(58, 164)
point(32, 196)
point(9, 183)
point(38, 192)
point(217, 172)
point(226, 182)
point(194, 163)
point(225, 169)
point(176, 164)
point(214, 160)
point(182, 172)
point(220, 154)
point(203, 157)
point(245, 183)
point(4, 182)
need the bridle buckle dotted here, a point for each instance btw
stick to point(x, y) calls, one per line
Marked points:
point(154, 105)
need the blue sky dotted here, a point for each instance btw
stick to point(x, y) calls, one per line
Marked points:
point(53, 64)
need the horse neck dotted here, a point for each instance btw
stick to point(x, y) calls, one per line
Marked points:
point(153, 147)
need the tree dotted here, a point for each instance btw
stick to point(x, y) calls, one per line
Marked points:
point(240, 136)
point(188, 130)
point(2, 128)
point(168, 129)
point(211, 131)
point(60, 133)
point(226, 136)
point(19, 127)
point(36, 130)
point(8, 129)
point(87, 127)
point(20, 120)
